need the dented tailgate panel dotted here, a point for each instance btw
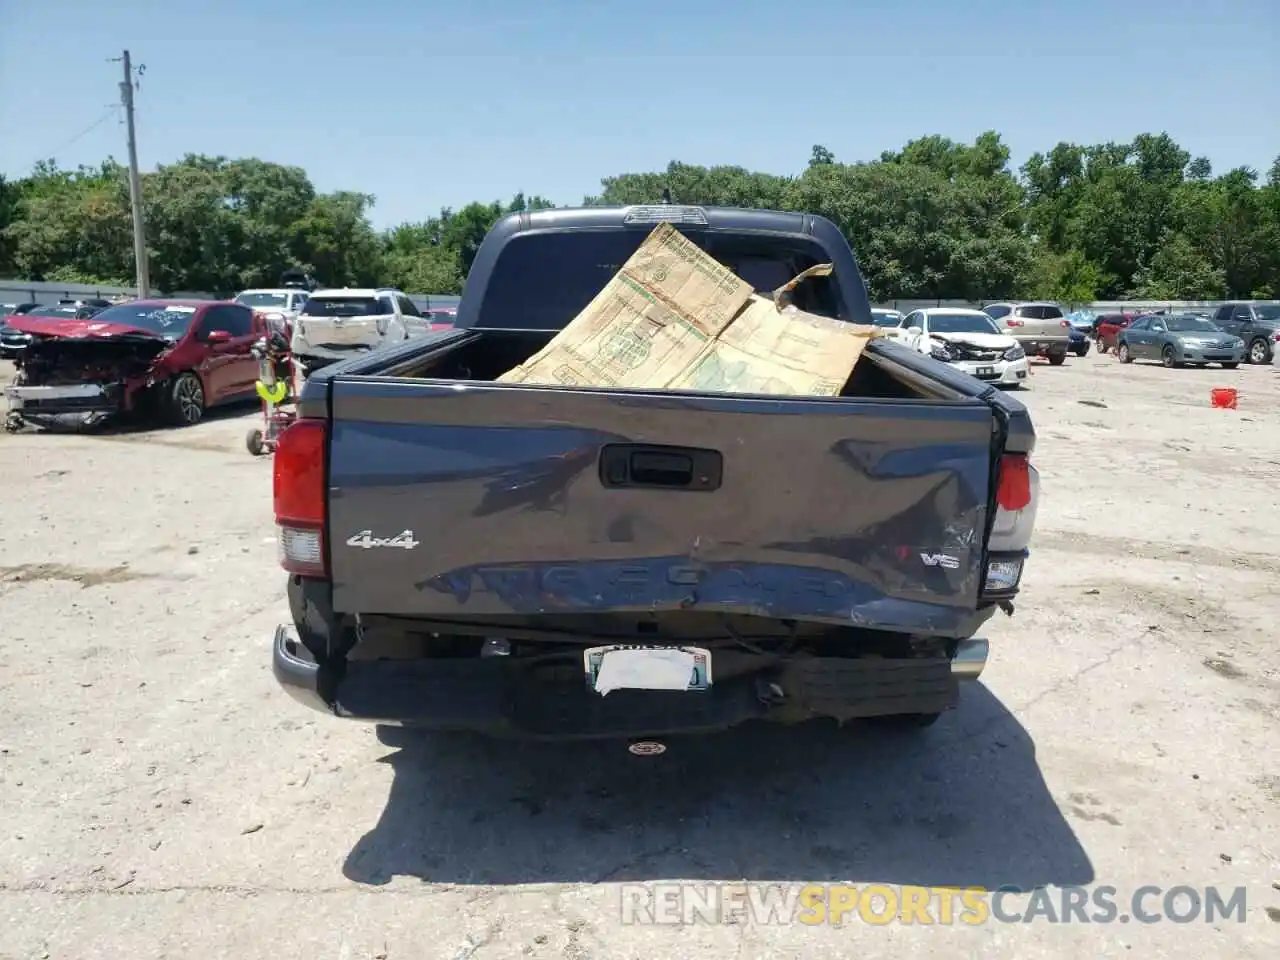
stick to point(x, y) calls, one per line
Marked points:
point(454, 500)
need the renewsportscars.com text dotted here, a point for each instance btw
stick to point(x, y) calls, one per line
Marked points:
point(880, 904)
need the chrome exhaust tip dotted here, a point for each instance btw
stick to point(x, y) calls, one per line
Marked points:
point(970, 659)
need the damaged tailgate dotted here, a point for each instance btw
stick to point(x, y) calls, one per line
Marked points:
point(487, 499)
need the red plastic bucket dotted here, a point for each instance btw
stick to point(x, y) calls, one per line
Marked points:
point(1224, 398)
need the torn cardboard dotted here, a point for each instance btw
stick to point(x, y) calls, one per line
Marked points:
point(673, 317)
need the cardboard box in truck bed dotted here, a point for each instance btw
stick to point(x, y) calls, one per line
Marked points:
point(673, 317)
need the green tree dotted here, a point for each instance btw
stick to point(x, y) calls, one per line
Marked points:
point(1179, 271)
point(937, 218)
point(334, 241)
point(73, 219)
point(821, 155)
point(10, 194)
point(1069, 277)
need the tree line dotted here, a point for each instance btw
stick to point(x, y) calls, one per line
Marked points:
point(936, 219)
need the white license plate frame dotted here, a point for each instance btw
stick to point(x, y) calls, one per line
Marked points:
point(700, 679)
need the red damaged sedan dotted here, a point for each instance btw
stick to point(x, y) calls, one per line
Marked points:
point(177, 357)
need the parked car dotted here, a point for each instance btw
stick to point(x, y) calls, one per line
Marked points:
point(336, 324)
point(14, 341)
point(182, 355)
point(1079, 341)
point(968, 340)
point(441, 318)
point(1108, 327)
point(1082, 320)
point(1177, 339)
point(1254, 323)
point(466, 555)
point(85, 303)
point(278, 306)
point(1040, 327)
point(11, 341)
point(886, 318)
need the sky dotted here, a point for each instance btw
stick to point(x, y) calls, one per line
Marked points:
point(427, 104)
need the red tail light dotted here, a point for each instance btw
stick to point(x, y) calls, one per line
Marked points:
point(1066, 323)
point(298, 491)
point(1013, 491)
point(1014, 322)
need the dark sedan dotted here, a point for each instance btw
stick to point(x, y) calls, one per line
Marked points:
point(1079, 341)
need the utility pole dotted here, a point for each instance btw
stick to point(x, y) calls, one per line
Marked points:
point(135, 184)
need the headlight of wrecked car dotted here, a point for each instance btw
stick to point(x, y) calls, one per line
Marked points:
point(1015, 352)
point(939, 352)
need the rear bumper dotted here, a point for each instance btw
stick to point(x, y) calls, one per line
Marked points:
point(505, 697)
point(332, 346)
point(1039, 346)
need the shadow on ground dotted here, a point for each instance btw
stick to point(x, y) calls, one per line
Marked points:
point(131, 424)
point(962, 803)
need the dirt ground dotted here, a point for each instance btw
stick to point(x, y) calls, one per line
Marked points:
point(160, 797)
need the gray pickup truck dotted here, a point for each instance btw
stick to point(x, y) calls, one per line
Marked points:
point(561, 562)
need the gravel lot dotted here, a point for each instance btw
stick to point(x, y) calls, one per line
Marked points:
point(159, 797)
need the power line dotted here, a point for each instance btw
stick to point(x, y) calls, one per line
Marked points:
point(52, 154)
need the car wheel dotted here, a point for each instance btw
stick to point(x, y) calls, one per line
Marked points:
point(253, 442)
point(1230, 365)
point(1259, 351)
point(1168, 357)
point(1122, 352)
point(186, 400)
point(1057, 359)
point(1082, 349)
point(1102, 347)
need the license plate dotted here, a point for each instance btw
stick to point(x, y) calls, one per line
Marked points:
point(986, 372)
point(638, 667)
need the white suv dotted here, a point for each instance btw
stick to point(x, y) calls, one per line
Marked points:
point(334, 324)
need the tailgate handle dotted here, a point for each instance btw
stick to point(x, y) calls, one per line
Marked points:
point(672, 468)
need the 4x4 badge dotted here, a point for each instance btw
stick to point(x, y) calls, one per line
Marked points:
point(365, 540)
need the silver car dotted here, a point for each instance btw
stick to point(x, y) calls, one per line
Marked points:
point(1178, 339)
point(1041, 327)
